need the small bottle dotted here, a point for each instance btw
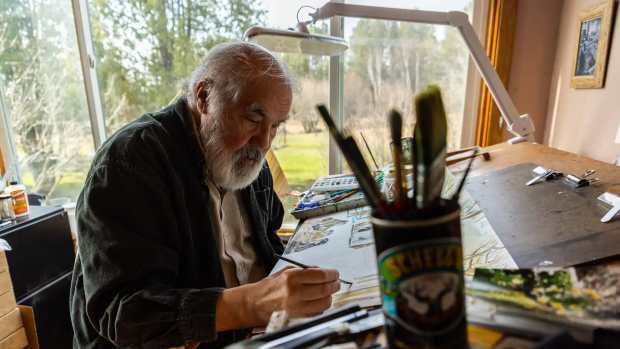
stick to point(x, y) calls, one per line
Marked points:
point(20, 199)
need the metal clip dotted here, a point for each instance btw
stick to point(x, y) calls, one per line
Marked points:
point(543, 174)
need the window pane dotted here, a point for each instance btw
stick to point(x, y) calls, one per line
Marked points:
point(302, 145)
point(44, 93)
point(389, 62)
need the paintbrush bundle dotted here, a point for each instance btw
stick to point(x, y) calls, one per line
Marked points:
point(418, 237)
point(428, 158)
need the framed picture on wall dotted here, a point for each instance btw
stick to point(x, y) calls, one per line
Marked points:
point(591, 50)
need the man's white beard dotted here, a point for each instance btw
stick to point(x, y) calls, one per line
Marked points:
point(229, 170)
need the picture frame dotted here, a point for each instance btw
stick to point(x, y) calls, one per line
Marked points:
point(592, 46)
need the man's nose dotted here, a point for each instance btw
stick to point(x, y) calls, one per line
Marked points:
point(262, 138)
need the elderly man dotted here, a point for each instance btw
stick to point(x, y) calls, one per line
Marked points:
point(177, 218)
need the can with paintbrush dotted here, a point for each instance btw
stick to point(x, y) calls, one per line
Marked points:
point(418, 242)
point(420, 265)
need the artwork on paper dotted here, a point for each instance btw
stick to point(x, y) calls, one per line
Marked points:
point(361, 234)
point(587, 295)
point(315, 234)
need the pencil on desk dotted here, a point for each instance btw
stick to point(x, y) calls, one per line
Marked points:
point(305, 266)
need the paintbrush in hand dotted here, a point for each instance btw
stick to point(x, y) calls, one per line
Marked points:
point(301, 265)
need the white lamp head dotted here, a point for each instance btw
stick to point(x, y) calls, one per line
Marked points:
point(296, 41)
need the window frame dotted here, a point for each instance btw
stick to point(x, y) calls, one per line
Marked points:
point(474, 79)
point(336, 95)
point(81, 18)
point(7, 144)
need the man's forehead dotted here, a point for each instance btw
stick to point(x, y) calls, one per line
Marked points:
point(282, 108)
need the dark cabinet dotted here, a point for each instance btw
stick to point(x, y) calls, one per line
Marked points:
point(41, 261)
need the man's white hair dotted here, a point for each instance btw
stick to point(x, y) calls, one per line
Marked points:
point(229, 66)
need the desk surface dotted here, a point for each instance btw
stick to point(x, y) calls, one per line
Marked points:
point(504, 155)
point(558, 225)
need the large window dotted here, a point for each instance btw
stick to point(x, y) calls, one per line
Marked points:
point(43, 94)
point(143, 51)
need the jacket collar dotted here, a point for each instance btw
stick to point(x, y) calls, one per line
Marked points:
point(196, 155)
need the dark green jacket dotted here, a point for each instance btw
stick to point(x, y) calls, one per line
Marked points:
point(148, 272)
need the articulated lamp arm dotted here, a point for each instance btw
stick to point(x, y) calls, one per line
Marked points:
point(519, 125)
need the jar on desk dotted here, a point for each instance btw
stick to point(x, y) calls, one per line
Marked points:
point(7, 211)
point(388, 188)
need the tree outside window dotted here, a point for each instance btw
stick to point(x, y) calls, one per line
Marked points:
point(44, 96)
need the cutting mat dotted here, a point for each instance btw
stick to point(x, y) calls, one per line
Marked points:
point(547, 224)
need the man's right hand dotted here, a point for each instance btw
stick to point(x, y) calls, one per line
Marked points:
point(300, 292)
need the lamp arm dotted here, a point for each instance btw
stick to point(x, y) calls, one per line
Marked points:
point(332, 9)
point(519, 125)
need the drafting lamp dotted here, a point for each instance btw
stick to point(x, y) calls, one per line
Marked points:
point(301, 41)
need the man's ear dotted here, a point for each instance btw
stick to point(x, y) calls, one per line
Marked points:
point(202, 92)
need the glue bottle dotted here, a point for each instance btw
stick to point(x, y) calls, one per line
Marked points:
point(20, 199)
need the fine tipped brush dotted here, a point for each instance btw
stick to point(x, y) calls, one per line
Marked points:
point(465, 174)
point(369, 151)
point(396, 129)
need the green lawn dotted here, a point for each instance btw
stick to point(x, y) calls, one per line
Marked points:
point(304, 158)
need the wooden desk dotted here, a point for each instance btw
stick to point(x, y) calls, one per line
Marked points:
point(504, 155)
point(550, 223)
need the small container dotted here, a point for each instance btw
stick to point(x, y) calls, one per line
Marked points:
point(6, 207)
point(20, 199)
point(388, 188)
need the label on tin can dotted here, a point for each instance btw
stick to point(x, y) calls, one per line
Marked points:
point(422, 287)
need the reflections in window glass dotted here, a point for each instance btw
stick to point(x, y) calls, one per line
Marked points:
point(389, 62)
point(44, 93)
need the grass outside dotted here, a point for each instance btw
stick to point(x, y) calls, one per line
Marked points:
point(304, 157)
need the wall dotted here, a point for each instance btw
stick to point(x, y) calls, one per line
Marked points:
point(534, 47)
point(583, 121)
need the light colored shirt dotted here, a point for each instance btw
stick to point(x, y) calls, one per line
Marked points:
point(233, 232)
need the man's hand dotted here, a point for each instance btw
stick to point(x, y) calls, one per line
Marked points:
point(301, 292)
